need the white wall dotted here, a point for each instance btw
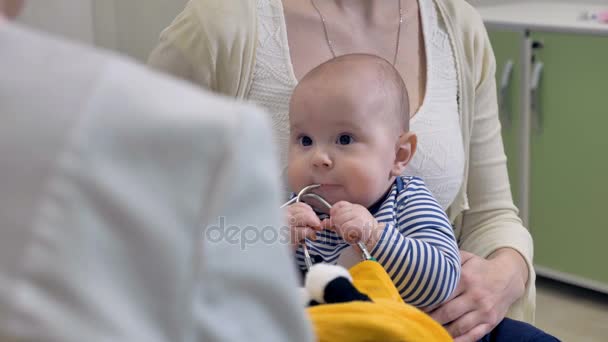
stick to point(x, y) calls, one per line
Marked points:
point(129, 26)
point(133, 26)
point(69, 18)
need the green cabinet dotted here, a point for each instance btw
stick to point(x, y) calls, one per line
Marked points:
point(568, 166)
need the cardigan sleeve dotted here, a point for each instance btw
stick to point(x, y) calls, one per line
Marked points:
point(212, 44)
point(182, 50)
point(491, 222)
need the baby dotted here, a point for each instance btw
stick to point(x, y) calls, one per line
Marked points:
point(349, 121)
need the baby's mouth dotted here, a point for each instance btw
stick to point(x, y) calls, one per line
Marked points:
point(328, 192)
point(326, 189)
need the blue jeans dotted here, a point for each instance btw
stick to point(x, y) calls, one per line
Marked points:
point(515, 331)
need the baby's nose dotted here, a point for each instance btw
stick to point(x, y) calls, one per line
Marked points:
point(322, 160)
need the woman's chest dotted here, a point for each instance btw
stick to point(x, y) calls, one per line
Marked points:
point(440, 156)
point(315, 34)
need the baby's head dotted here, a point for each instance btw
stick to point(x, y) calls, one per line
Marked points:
point(349, 122)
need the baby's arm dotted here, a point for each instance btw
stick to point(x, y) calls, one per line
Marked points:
point(420, 254)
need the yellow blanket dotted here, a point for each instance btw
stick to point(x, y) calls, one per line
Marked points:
point(387, 318)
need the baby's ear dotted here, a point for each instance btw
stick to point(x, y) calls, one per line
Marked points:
point(404, 151)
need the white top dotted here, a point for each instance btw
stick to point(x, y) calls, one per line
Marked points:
point(545, 16)
point(111, 177)
point(439, 160)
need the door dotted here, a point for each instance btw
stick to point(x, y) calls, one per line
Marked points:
point(569, 157)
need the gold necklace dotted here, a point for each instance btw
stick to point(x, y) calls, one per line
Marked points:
point(331, 45)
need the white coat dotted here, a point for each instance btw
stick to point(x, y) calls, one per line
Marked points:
point(110, 178)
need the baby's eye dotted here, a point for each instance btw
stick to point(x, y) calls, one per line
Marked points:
point(345, 139)
point(305, 140)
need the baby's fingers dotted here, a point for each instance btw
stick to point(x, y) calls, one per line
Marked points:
point(351, 231)
point(326, 224)
point(306, 220)
point(301, 233)
point(339, 207)
point(303, 215)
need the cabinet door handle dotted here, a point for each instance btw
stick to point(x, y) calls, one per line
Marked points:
point(535, 80)
point(503, 92)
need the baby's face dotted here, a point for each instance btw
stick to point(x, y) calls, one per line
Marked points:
point(343, 141)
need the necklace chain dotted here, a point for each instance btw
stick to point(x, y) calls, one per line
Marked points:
point(330, 43)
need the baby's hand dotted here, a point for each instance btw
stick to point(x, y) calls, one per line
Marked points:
point(303, 223)
point(354, 223)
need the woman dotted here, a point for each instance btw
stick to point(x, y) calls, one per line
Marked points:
point(258, 50)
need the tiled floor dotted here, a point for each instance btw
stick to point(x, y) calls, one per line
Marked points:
point(570, 313)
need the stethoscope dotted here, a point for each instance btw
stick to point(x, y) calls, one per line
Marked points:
point(305, 193)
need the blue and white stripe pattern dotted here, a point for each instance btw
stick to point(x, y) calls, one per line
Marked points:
point(417, 247)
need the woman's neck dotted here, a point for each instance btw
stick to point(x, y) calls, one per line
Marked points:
point(365, 8)
point(370, 10)
point(367, 11)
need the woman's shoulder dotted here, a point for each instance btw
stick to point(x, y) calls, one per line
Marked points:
point(210, 36)
point(469, 34)
point(463, 16)
point(225, 13)
point(210, 21)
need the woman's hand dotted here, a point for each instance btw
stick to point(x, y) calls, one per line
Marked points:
point(486, 290)
point(303, 223)
point(354, 223)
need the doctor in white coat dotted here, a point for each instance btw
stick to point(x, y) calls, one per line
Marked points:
point(110, 178)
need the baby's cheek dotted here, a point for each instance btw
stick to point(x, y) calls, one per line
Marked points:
point(296, 176)
point(362, 185)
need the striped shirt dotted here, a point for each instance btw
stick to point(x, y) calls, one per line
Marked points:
point(417, 247)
